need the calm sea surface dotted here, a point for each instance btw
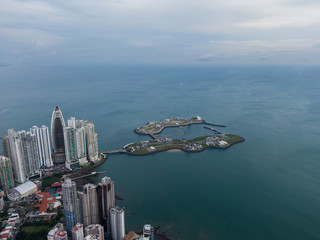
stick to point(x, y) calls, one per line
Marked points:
point(265, 188)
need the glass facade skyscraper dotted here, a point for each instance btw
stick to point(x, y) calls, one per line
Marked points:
point(71, 205)
point(57, 136)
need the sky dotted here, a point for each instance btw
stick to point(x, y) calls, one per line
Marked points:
point(159, 32)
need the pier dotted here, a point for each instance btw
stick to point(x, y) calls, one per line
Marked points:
point(212, 124)
point(213, 130)
point(115, 151)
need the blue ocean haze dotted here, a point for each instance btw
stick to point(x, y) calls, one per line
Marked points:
point(264, 188)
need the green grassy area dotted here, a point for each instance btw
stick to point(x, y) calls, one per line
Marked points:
point(36, 230)
point(233, 138)
point(198, 139)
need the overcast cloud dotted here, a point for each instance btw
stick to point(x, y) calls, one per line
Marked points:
point(160, 31)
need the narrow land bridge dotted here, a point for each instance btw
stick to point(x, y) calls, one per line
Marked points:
point(115, 151)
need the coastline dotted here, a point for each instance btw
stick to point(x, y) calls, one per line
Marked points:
point(174, 150)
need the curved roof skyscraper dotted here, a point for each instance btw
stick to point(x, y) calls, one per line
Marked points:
point(57, 135)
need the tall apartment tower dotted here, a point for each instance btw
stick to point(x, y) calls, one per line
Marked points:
point(57, 136)
point(43, 143)
point(92, 142)
point(95, 229)
point(6, 146)
point(71, 148)
point(90, 205)
point(72, 122)
point(75, 144)
point(30, 154)
point(17, 160)
point(117, 223)
point(70, 204)
point(81, 145)
point(106, 198)
point(6, 174)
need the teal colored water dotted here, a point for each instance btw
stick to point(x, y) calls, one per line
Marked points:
point(265, 188)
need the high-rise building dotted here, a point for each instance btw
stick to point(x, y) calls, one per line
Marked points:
point(70, 204)
point(24, 153)
point(6, 174)
point(43, 143)
point(106, 198)
point(17, 159)
point(117, 223)
point(57, 135)
point(77, 232)
point(30, 153)
point(1, 200)
point(81, 145)
point(90, 205)
point(72, 122)
point(92, 142)
point(71, 148)
point(6, 146)
point(95, 229)
point(86, 140)
point(75, 144)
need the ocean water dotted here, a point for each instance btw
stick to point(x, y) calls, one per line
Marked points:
point(267, 187)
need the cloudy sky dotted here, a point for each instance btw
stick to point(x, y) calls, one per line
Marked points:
point(160, 31)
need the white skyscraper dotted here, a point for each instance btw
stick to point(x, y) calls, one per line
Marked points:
point(43, 142)
point(70, 148)
point(81, 145)
point(75, 144)
point(24, 153)
point(92, 142)
point(90, 205)
point(72, 122)
point(117, 223)
point(30, 153)
point(17, 156)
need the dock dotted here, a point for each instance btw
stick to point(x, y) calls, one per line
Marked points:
point(213, 130)
point(212, 124)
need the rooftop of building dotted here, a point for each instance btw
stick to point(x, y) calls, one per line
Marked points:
point(25, 188)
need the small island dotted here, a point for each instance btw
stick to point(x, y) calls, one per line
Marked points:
point(160, 143)
point(156, 127)
point(194, 145)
